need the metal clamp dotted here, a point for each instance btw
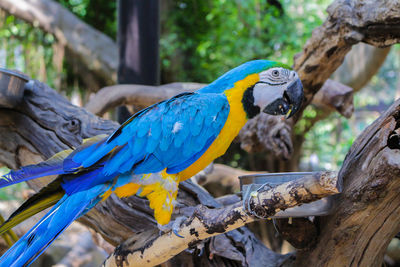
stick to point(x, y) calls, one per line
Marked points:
point(250, 193)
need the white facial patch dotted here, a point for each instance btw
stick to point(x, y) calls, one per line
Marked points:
point(273, 83)
point(264, 75)
point(177, 127)
point(265, 94)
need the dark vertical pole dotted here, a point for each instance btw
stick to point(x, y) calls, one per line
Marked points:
point(138, 35)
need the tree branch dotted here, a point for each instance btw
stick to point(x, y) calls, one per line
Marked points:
point(348, 23)
point(368, 215)
point(334, 96)
point(206, 222)
point(141, 95)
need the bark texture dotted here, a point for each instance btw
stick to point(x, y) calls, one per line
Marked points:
point(368, 211)
point(150, 250)
point(348, 23)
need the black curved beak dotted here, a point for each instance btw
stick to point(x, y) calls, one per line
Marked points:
point(289, 103)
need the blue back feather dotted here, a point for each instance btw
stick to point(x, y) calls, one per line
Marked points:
point(171, 134)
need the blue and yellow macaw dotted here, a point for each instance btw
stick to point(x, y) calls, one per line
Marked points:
point(150, 153)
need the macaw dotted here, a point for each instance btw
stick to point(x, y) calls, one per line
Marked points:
point(150, 153)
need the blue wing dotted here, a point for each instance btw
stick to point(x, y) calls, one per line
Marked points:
point(171, 134)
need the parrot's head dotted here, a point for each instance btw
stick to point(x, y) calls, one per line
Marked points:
point(277, 92)
point(270, 87)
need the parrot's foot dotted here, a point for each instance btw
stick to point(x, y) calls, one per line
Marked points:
point(173, 226)
point(176, 226)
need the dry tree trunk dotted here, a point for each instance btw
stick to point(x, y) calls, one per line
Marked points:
point(368, 212)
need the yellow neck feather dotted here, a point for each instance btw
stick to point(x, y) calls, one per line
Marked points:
point(236, 120)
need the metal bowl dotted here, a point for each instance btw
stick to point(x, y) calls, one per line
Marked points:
point(249, 183)
point(12, 85)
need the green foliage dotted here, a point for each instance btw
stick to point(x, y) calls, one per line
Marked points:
point(382, 88)
point(100, 14)
point(27, 49)
point(210, 37)
point(306, 122)
point(327, 143)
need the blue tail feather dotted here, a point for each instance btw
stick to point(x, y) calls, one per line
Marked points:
point(30, 172)
point(60, 163)
point(68, 209)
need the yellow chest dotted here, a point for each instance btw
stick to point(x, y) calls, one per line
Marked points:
point(236, 120)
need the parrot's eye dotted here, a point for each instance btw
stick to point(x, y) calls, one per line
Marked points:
point(275, 73)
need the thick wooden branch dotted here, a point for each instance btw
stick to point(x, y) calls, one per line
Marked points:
point(269, 201)
point(334, 96)
point(98, 52)
point(348, 22)
point(133, 94)
point(368, 213)
point(206, 222)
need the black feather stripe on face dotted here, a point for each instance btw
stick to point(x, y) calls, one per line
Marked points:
point(248, 103)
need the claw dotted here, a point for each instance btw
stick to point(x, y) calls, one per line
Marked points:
point(175, 231)
point(176, 226)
